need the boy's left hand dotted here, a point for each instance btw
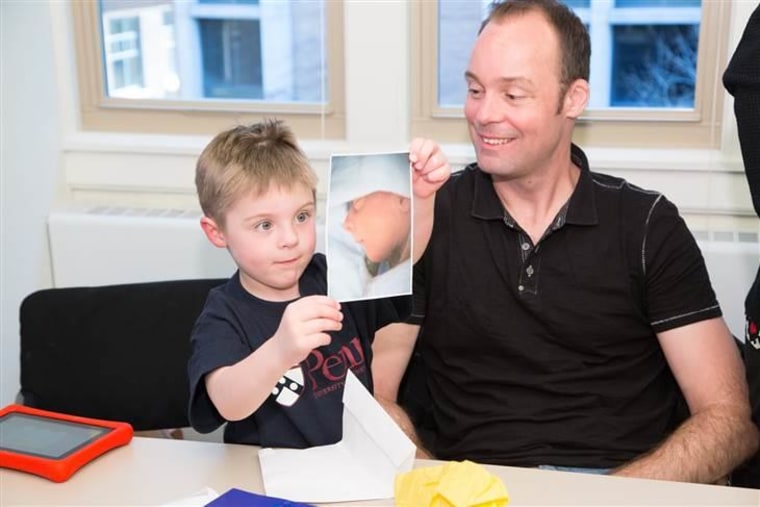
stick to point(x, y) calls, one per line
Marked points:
point(430, 167)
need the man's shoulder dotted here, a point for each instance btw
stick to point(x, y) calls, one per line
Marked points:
point(461, 174)
point(462, 178)
point(607, 184)
point(617, 197)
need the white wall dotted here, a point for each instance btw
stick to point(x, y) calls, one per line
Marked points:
point(41, 143)
point(30, 151)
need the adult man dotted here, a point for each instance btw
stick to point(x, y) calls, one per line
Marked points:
point(563, 309)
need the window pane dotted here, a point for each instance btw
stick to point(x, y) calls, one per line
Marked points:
point(578, 4)
point(250, 2)
point(231, 53)
point(655, 3)
point(189, 50)
point(458, 24)
point(654, 66)
point(124, 62)
point(644, 52)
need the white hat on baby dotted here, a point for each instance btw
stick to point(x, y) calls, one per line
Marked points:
point(354, 176)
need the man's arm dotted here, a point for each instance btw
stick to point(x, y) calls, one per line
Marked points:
point(719, 434)
point(391, 351)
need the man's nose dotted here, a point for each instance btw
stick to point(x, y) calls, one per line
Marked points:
point(488, 109)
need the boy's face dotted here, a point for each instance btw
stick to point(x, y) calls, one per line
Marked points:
point(271, 237)
point(379, 222)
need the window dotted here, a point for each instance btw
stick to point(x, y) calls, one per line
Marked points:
point(654, 66)
point(644, 52)
point(197, 66)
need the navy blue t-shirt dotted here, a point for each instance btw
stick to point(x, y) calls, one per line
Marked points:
point(305, 408)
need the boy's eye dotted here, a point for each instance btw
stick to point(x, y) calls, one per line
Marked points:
point(264, 226)
point(302, 217)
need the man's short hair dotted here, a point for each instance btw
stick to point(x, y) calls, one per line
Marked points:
point(574, 40)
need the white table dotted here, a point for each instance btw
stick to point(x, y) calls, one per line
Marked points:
point(155, 471)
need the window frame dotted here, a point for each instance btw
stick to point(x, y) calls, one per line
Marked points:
point(101, 113)
point(639, 128)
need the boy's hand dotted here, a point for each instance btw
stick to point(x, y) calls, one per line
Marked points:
point(304, 326)
point(431, 167)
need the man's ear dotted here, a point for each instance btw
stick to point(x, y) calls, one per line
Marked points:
point(213, 232)
point(576, 98)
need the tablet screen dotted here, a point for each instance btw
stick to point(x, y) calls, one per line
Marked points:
point(43, 437)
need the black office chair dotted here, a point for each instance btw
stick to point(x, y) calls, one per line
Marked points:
point(116, 352)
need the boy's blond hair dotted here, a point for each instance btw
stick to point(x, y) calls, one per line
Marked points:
point(249, 159)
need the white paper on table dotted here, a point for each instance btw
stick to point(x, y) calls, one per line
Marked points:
point(362, 466)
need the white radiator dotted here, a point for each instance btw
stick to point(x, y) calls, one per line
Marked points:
point(732, 260)
point(106, 245)
point(110, 245)
point(103, 245)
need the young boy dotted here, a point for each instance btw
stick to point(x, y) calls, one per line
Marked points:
point(270, 351)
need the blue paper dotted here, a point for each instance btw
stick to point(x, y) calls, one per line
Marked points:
point(239, 498)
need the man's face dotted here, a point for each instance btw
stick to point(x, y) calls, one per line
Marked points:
point(272, 237)
point(513, 98)
point(380, 223)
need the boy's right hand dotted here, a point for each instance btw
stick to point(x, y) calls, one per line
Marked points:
point(304, 327)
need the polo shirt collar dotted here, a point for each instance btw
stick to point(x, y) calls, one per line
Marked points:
point(580, 209)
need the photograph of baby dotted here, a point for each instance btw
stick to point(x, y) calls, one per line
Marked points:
point(369, 226)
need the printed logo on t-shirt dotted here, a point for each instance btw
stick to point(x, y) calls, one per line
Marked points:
point(752, 334)
point(322, 372)
point(326, 369)
point(290, 387)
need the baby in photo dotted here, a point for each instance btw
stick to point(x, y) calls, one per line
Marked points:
point(369, 226)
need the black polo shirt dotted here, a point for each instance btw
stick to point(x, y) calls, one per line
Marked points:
point(547, 353)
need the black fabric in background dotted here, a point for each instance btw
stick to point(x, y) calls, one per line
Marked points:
point(742, 80)
point(116, 352)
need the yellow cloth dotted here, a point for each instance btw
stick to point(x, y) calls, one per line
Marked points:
point(455, 484)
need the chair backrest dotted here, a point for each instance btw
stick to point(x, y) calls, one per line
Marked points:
point(116, 352)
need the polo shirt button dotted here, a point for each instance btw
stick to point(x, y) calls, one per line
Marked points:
point(526, 246)
point(520, 288)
